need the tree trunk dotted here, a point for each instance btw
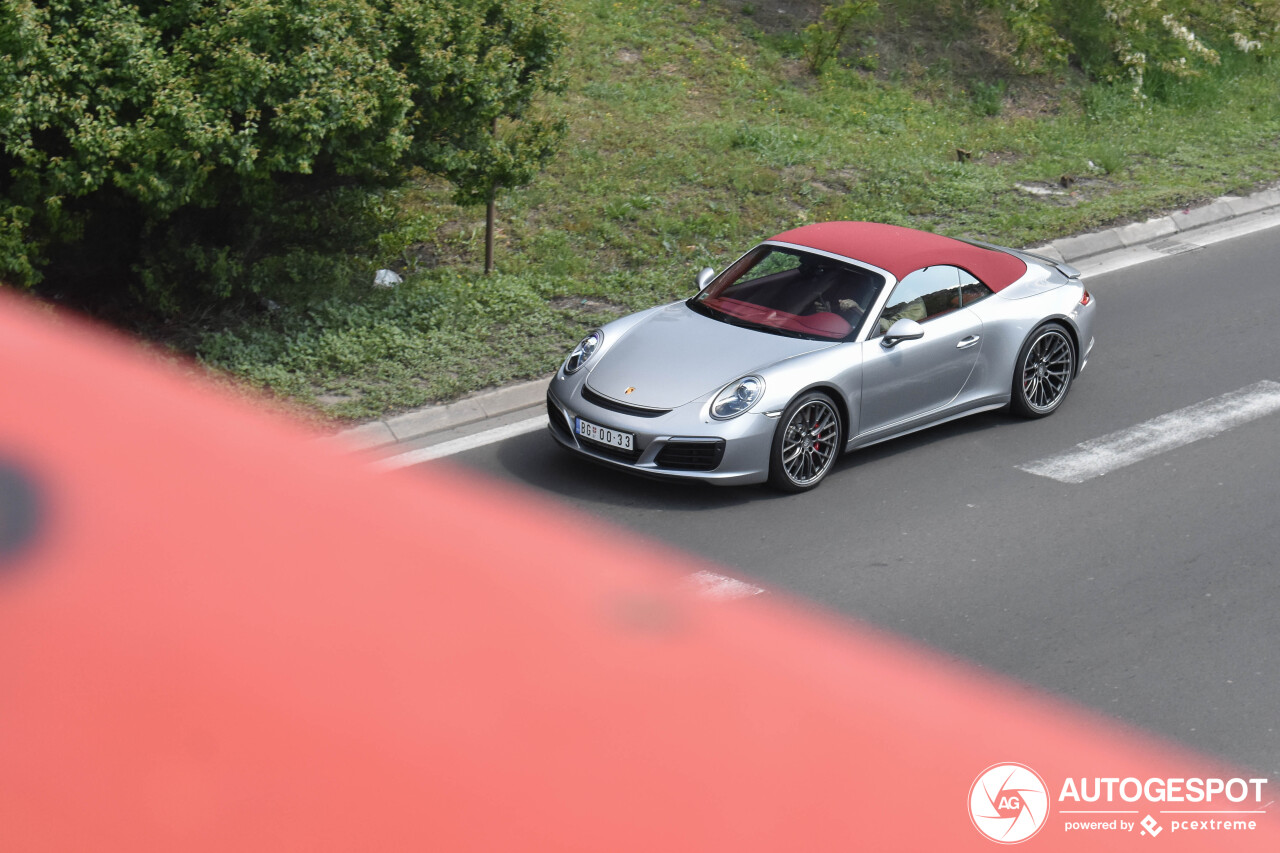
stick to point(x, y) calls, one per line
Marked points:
point(489, 216)
point(488, 234)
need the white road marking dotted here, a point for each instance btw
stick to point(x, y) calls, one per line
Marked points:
point(1099, 456)
point(459, 445)
point(721, 588)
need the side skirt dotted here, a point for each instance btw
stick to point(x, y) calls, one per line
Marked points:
point(985, 404)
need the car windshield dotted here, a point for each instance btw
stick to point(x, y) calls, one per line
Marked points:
point(791, 292)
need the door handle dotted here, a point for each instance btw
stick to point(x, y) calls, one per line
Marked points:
point(965, 343)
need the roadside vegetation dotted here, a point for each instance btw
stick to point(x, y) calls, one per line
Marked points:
point(693, 128)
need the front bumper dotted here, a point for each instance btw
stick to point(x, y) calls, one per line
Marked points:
point(685, 443)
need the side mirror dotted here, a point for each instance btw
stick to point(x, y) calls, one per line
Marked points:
point(902, 330)
point(705, 276)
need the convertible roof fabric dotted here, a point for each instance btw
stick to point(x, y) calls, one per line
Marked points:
point(905, 250)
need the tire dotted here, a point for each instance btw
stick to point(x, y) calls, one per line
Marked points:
point(1043, 373)
point(806, 443)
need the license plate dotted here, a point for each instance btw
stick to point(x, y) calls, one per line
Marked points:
point(604, 435)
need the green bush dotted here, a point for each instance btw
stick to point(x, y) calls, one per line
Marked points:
point(988, 98)
point(824, 38)
point(199, 147)
point(1148, 46)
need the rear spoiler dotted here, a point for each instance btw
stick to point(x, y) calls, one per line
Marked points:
point(1061, 266)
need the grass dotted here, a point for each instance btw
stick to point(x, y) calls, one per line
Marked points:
point(694, 134)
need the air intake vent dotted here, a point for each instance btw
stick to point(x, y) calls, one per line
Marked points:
point(691, 455)
point(557, 419)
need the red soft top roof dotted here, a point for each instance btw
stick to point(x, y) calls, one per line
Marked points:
point(905, 250)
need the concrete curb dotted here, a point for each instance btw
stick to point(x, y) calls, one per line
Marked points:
point(1080, 246)
point(429, 419)
point(526, 395)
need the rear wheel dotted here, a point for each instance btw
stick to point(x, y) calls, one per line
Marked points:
point(1045, 367)
point(806, 443)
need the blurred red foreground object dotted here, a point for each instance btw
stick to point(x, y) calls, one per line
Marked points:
point(219, 635)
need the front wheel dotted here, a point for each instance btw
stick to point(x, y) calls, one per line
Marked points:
point(806, 443)
point(1042, 377)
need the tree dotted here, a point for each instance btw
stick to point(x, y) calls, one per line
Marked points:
point(824, 38)
point(508, 60)
point(1129, 41)
point(180, 144)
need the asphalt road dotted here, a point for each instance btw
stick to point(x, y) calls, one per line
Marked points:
point(1149, 593)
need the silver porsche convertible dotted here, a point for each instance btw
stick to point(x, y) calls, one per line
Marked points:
point(826, 338)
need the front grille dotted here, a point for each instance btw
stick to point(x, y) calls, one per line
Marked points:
point(691, 455)
point(557, 419)
point(622, 408)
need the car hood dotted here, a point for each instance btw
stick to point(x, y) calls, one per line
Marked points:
point(676, 355)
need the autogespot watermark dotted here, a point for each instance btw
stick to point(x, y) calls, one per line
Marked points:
point(1010, 803)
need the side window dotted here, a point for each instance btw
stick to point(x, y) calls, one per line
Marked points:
point(971, 290)
point(923, 294)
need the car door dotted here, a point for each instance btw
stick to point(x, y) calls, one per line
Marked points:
point(913, 378)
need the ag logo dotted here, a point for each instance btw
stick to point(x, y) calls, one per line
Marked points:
point(1008, 803)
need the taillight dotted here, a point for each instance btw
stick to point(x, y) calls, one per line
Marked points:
point(1086, 299)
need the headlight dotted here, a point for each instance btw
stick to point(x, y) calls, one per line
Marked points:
point(583, 351)
point(737, 397)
